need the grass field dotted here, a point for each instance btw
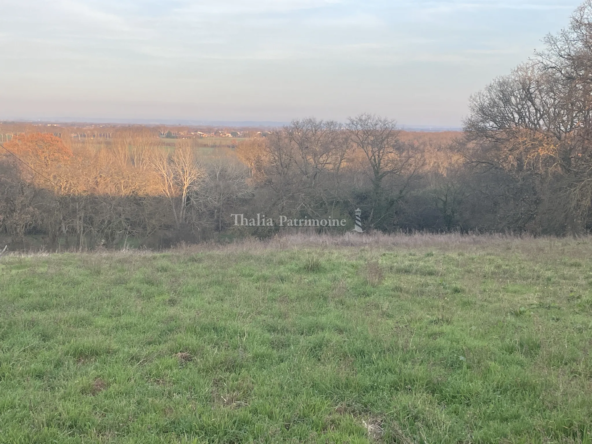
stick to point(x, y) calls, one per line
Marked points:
point(404, 339)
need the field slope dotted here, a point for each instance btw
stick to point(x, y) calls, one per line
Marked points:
point(402, 340)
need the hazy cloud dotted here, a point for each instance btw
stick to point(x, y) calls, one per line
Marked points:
point(262, 59)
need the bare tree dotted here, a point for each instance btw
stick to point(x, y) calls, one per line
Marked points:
point(160, 161)
point(303, 167)
point(253, 153)
point(537, 121)
point(187, 174)
point(387, 158)
point(225, 186)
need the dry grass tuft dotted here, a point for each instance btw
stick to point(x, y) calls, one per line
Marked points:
point(231, 395)
point(374, 428)
point(339, 290)
point(184, 357)
point(98, 386)
point(374, 273)
point(399, 435)
point(313, 264)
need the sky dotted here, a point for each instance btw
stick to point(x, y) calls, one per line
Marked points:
point(415, 61)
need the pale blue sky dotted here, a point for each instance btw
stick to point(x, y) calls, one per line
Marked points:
point(262, 60)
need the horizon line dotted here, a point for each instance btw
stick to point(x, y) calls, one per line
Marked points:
point(212, 123)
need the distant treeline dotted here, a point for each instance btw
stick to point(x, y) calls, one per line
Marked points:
point(523, 165)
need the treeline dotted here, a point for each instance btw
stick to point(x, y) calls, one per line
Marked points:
point(523, 165)
point(127, 190)
point(130, 189)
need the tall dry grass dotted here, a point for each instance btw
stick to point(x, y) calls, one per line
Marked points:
point(572, 247)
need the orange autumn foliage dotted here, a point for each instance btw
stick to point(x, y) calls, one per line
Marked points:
point(43, 159)
point(39, 149)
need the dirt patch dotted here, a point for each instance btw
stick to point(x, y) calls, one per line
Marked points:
point(98, 386)
point(184, 357)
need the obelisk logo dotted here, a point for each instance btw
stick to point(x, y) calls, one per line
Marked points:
point(358, 228)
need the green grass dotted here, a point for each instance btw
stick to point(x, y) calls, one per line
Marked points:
point(438, 344)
